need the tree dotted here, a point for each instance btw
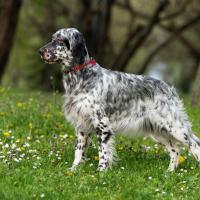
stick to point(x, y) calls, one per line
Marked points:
point(9, 12)
point(195, 99)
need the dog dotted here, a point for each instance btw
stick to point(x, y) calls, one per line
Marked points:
point(108, 102)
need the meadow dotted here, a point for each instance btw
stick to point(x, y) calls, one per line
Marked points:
point(37, 147)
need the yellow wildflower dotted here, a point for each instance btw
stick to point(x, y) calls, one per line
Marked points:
point(69, 173)
point(22, 149)
point(181, 159)
point(2, 113)
point(71, 137)
point(2, 89)
point(19, 104)
point(96, 158)
point(6, 134)
point(120, 148)
point(30, 125)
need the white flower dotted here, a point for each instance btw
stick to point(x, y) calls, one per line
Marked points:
point(16, 160)
point(150, 178)
point(2, 156)
point(65, 136)
point(6, 145)
point(22, 155)
point(28, 138)
point(13, 146)
point(26, 144)
point(42, 195)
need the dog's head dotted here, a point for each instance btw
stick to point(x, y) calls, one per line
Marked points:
point(67, 47)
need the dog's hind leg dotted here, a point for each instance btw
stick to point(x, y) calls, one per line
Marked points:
point(181, 132)
point(189, 140)
point(171, 147)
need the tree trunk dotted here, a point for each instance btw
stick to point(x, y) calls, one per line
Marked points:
point(195, 99)
point(9, 11)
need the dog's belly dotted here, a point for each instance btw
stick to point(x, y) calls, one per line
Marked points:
point(128, 126)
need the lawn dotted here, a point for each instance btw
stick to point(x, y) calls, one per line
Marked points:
point(37, 146)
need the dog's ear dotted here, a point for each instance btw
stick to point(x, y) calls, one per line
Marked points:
point(80, 52)
point(67, 44)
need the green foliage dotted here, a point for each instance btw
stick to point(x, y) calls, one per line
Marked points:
point(37, 146)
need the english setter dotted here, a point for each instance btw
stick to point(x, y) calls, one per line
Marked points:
point(104, 101)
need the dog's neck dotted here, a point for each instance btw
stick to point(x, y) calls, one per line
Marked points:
point(78, 73)
point(90, 62)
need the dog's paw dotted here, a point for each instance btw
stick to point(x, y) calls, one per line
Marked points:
point(102, 168)
point(73, 168)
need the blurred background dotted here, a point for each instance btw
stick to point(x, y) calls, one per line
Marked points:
point(160, 38)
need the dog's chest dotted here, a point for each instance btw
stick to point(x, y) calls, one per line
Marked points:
point(77, 110)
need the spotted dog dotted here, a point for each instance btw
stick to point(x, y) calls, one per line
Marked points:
point(108, 102)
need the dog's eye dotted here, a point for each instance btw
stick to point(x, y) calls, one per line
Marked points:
point(66, 42)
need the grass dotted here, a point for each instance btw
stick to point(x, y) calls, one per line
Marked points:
point(37, 146)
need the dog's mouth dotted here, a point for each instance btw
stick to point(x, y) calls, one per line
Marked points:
point(49, 60)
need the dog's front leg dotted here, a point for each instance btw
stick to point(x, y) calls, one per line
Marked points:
point(80, 147)
point(106, 143)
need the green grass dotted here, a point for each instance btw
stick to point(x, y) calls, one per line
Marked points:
point(36, 150)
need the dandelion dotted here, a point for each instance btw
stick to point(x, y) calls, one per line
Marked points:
point(69, 173)
point(22, 149)
point(96, 158)
point(19, 104)
point(71, 137)
point(6, 134)
point(181, 159)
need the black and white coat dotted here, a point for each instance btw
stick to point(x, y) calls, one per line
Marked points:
point(108, 102)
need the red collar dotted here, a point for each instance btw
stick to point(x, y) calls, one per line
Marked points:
point(79, 67)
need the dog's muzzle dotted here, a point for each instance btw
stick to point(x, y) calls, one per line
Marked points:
point(47, 55)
